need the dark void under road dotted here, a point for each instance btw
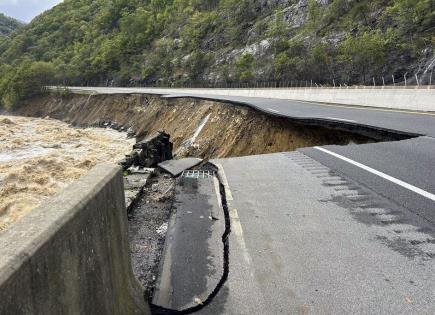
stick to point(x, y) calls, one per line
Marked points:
point(350, 117)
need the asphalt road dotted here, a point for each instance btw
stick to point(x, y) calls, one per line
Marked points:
point(411, 161)
point(306, 240)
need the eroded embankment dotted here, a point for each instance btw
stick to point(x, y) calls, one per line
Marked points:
point(197, 127)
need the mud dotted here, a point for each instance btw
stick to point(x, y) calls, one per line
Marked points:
point(198, 128)
point(40, 157)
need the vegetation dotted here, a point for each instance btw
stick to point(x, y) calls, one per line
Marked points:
point(8, 25)
point(24, 81)
point(175, 42)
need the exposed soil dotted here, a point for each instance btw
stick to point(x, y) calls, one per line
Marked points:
point(148, 222)
point(198, 128)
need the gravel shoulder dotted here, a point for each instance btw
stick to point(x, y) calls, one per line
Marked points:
point(148, 222)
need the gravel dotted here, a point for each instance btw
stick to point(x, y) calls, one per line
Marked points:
point(148, 222)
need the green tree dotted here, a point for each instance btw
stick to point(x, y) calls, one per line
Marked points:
point(27, 81)
point(245, 67)
point(363, 54)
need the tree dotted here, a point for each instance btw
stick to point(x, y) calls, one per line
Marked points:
point(363, 54)
point(27, 81)
point(245, 67)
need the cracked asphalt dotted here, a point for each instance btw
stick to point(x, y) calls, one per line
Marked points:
point(336, 229)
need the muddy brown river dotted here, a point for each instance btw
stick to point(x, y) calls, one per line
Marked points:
point(40, 157)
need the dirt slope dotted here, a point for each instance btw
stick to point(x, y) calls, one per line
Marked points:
point(198, 128)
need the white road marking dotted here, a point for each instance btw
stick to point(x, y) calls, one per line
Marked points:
point(273, 110)
point(380, 174)
point(236, 225)
point(217, 191)
point(341, 119)
point(225, 182)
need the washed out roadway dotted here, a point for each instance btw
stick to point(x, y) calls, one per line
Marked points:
point(336, 229)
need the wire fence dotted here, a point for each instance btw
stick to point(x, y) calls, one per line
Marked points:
point(424, 80)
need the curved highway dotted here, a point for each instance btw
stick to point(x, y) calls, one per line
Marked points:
point(333, 229)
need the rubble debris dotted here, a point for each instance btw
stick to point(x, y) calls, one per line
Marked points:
point(148, 223)
point(153, 150)
point(149, 152)
point(163, 229)
point(140, 170)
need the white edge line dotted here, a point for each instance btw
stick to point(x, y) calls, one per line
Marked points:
point(273, 110)
point(225, 182)
point(341, 119)
point(217, 191)
point(380, 174)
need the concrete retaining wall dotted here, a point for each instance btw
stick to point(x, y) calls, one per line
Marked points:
point(71, 255)
point(407, 99)
point(419, 99)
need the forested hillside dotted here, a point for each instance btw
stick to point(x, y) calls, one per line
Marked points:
point(180, 42)
point(8, 25)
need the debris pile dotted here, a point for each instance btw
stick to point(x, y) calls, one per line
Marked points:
point(150, 152)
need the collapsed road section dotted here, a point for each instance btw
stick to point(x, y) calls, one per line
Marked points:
point(198, 128)
point(306, 237)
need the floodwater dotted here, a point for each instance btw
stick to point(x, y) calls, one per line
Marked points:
point(40, 157)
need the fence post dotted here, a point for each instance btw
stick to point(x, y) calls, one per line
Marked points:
point(430, 79)
point(394, 82)
point(374, 82)
point(333, 82)
point(416, 79)
point(405, 77)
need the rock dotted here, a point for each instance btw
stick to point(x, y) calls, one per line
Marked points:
point(131, 133)
point(140, 170)
point(162, 229)
point(153, 150)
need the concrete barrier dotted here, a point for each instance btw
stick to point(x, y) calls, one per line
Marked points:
point(71, 255)
point(419, 99)
point(405, 99)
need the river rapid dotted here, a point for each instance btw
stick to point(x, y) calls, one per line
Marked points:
point(40, 157)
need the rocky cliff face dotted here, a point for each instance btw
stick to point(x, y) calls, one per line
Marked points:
point(179, 43)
